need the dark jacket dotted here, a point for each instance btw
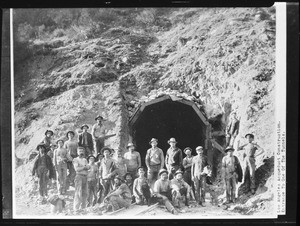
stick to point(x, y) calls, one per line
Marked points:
point(49, 166)
point(233, 127)
point(238, 169)
point(89, 140)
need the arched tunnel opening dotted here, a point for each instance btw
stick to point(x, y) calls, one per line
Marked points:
point(165, 118)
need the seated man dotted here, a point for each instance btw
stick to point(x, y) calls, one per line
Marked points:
point(141, 188)
point(180, 190)
point(119, 197)
point(162, 191)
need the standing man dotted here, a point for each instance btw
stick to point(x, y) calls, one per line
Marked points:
point(60, 160)
point(187, 165)
point(107, 171)
point(154, 161)
point(85, 140)
point(133, 160)
point(44, 170)
point(173, 158)
point(121, 164)
point(249, 159)
point(98, 132)
point(198, 175)
point(92, 181)
point(81, 186)
point(71, 145)
point(232, 129)
point(181, 191)
point(47, 140)
point(163, 191)
point(229, 175)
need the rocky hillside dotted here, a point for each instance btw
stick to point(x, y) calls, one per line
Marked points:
point(223, 57)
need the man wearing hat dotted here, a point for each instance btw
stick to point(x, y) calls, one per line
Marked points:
point(98, 131)
point(133, 160)
point(198, 175)
point(47, 140)
point(92, 181)
point(173, 158)
point(81, 167)
point(249, 155)
point(107, 171)
point(232, 129)
point(163, 192)
point(71, 145)
point(85, 140)
point(141, 189)
point(121, 164)
point(180, 190)
point(43, 168)
point(154, 161)
point(187, 165)
point(229, 174)
point(119, 197)
point(60, 159)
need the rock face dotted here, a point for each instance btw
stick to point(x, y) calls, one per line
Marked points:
point(221, 59)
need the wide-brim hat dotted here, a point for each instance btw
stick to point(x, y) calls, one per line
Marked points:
point(172, 140)
point(47, 131)
point(178, 171)
point(60, 139)
point(70, 132)
point(188, 148)
point(105, 148)
point(90, 156)
point(130, 145)
point(119, 178)
point(249, 134)
point(141, 167)
point(99, 116)
point(199, 147)
point(84, 125)
point(153, 139)
point(97, 156)
point(229, 148)
point(40, 145)
point(162, 171)
point(127, 174)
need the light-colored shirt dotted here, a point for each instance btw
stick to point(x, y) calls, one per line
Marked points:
point(174, 157)
point(121, 166)
point(60, 155)
point(250, 150)
point(98, 131)
point(133, 160)
point(137, 185)
point(162, 186)
point(228, 166)
point(92, 173)
point(107, 166)
point(198, 164)
point(79, 163)
point(178, 184)
point(71, 146)
point(155, 156)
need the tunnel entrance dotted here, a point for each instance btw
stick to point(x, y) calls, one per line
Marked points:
point(167, 117)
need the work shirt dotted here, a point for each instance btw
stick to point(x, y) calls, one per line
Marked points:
point(60, 155)
point(228, 166)
point(46, 141)
point(250, 150)
point(107, 166)
point(187, 161)
point(233, 127)
point(92, 172)
point(80, 162)
point(162, 186)
point(199, 162)
point(122, 191)
point(179, 184)
point(133, 160)
point(155, 156)
point(98, 131)
point(71, 146)
point(174, 157)
point(137, 185)
point(121, 166)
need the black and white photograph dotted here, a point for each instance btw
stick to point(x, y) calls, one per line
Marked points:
point(147, 113)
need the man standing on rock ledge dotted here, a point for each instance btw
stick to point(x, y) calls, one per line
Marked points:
point(98, 132)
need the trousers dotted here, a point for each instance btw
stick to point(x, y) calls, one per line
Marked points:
point(99, 144)
point(92, 192)
point(230, 184)
point(62, 177)
point(152, 173)
point(81, 192)
point(172, 171)
point(43, 180)
point(249, 162)
point(200, 186)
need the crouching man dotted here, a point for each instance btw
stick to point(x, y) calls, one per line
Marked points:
point(180, 190)
point(141, 188)
point(162, 191)
point(119, 197)
point(81, 185)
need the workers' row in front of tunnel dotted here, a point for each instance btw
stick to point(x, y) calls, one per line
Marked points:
point(114, 180)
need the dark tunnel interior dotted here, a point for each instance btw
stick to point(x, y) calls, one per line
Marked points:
point(164, 120)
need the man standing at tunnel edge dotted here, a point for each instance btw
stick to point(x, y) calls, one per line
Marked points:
point(154, 161)
point(249, 159)
point(98, 132)
point(198, 175)
point(173, 158)
point(232, 129)
point(133, 160)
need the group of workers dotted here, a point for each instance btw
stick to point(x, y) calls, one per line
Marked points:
point(116, 180)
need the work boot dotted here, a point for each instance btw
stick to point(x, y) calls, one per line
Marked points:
point(174, 211)
point(252, 191)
